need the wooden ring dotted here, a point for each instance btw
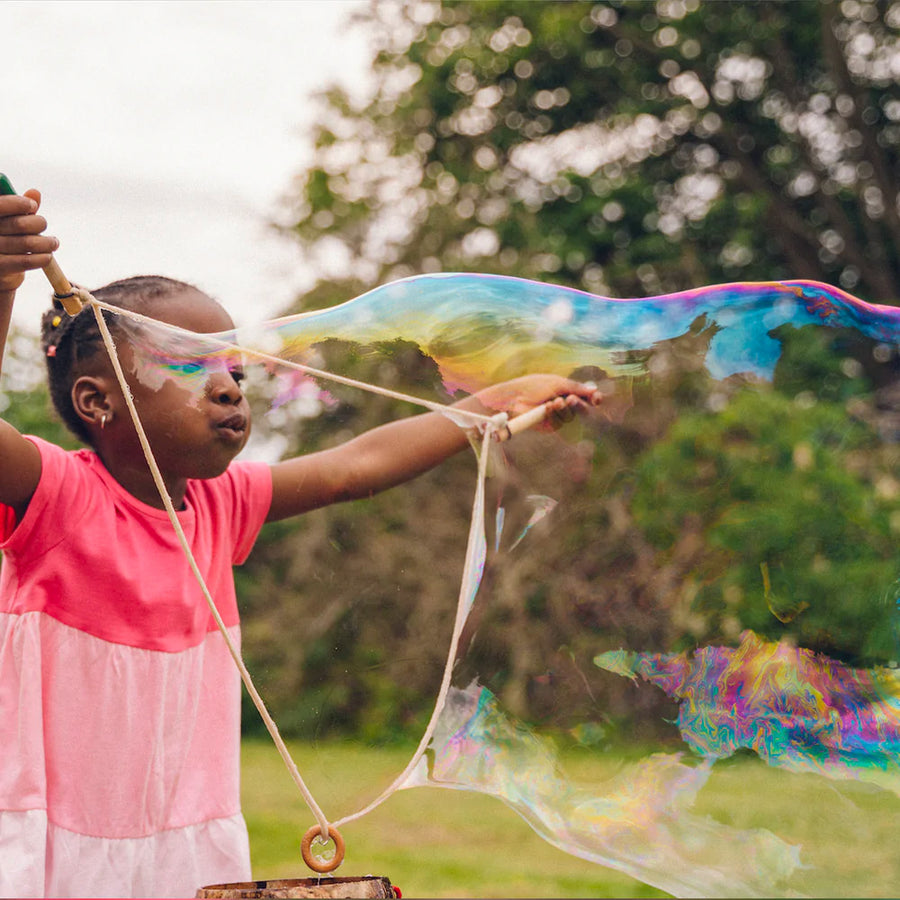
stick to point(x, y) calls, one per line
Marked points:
point(306, 851)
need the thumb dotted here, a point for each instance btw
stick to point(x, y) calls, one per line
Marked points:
point(33, 194)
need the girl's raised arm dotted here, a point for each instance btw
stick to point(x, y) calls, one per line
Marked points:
point(397, 452)
point(23, 247)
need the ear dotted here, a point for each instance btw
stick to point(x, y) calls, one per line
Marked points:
point(92, 399)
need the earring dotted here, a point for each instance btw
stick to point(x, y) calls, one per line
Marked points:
point(103, 419)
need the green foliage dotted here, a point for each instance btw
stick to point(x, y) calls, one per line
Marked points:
point(771, 489)
point(25, 400)
point(792, 495)
point(31, 413)
point(337, 602)
point(624, 147)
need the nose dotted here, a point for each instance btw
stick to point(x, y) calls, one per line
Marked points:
point(222, 388)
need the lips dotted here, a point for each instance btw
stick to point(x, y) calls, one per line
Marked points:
point(234, 427)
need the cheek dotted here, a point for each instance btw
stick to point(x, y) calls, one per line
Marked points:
point(177, 420)
point(167, 409)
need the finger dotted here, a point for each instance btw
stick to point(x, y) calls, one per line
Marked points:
point(593, 395)
point(564, 409)
point(27, 243)
point(589, 394)
point(27, 224)
point(9, 265)
point(16, 205)
point(583, 389)
point(33, 194)
point(568, 403)
point(582, 403)
point(10, 284)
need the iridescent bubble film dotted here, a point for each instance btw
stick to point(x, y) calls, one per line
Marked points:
point(682, 659)
point(794, 708)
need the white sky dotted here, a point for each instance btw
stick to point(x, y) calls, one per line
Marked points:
point(164, 134)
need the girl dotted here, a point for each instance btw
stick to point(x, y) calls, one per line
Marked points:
point(119, 703)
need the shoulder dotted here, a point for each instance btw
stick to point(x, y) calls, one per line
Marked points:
point(66, 467)
point(54, 456)
point(62, 466)
point(67, 480)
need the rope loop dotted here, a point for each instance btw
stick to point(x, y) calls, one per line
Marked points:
point(318, 864)
point(491, 425)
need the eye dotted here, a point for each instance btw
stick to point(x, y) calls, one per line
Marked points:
point(238, 375)
point(186, 368)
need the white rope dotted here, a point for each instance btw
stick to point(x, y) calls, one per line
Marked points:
point(474, 548)
point(314, 807)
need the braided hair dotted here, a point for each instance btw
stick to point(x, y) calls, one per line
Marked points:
point(69, 342)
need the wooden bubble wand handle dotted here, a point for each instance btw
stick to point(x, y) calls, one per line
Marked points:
point(524, 421)
point(62, 289)
point(537, 415)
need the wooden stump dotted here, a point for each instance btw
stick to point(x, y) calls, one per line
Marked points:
point(366, 886)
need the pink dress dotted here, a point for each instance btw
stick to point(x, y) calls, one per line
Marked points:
point(119, 702)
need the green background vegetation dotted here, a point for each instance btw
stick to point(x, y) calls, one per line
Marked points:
point(625, 148)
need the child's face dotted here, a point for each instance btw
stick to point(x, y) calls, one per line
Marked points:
point(192, 435)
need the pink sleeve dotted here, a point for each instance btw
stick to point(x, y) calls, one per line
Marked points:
point(54, 461)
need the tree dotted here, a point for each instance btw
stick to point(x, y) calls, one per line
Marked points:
point(623, 147)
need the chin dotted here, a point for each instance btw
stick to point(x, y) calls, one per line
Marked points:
point(210, 468)
point(215, 472)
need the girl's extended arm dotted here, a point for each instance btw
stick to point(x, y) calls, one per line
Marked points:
point(397, 452)
point(23, 247)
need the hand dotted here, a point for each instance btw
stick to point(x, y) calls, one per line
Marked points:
point(563, 396)
point(23, 246)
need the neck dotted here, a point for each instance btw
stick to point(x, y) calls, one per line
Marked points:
point(139, 482)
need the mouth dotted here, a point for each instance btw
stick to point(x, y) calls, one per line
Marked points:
point(234, 428)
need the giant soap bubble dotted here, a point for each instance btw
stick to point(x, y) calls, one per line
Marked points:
point(682, 658)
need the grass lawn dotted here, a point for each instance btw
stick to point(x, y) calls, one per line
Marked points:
point(443, 843)
point(429, 842)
